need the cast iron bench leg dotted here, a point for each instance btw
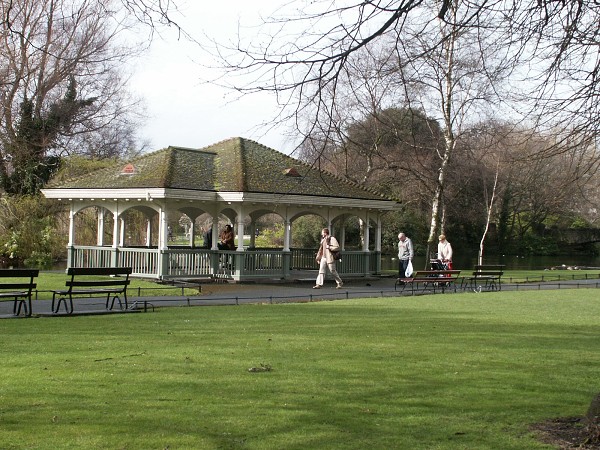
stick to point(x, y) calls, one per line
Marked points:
point(112, 304)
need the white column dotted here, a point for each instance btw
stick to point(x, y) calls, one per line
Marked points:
point(100, 231)
point(287, 235)
point(367, 235)
point(193, 233)
point(378, 235)
point(71, 227)
point(215, 232)
point(115, 242)
point(239, 222)
point(122, 232)
point(148, 231)
point(163, 230)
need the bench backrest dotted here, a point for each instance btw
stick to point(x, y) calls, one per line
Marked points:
point(18, 284)
point(104, 277)
point(488, 271)
point(435, 273)
point(490, 267)
point(106, 271)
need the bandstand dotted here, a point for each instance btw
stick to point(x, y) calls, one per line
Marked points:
point(237, 179)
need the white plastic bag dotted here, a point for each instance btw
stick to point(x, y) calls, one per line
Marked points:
point(409, 269)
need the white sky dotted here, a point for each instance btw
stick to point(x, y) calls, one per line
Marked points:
point(182, 110)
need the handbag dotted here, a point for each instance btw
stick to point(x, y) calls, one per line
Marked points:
point(337, 255)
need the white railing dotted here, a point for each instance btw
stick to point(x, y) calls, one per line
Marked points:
point(192, 262)
point(143, 261)
point(196, 262)
point(263, 263)
point(353, 261)
point(85, 256)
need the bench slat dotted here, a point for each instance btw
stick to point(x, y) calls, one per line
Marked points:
point(18, 286)
point(92, 283)
point(13, 294)
point(79, 271)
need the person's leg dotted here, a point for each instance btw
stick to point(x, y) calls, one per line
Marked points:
point(402, 265)
point(321, 276)
point(335, 274)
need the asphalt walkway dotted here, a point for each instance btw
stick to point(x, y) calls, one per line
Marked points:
point(213, 294)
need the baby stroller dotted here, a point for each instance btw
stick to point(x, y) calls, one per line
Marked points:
point(437, 264)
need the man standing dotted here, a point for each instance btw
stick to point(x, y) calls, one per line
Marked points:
point(325, 259)
point(405, 254)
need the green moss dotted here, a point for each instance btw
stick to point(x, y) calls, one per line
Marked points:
point(236, 165)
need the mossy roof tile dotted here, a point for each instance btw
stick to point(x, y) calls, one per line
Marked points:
point(233, 165)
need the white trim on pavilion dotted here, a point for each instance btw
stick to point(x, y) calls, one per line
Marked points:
point(159, 205)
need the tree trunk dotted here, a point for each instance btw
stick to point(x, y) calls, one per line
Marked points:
point(489, 215)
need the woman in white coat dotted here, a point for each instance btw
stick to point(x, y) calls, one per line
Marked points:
point(325, 259)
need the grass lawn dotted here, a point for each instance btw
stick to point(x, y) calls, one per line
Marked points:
point(458, 371)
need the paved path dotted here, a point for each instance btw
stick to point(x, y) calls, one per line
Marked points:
point(299, 291)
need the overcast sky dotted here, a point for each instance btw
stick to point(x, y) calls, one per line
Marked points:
point(183, 110)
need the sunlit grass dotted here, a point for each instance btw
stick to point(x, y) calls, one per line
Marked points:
point(429, 372)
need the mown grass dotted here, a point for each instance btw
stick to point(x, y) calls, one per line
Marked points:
point(529, 276)
point(458, 371)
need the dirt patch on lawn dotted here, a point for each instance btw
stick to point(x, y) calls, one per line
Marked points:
point(566, 433)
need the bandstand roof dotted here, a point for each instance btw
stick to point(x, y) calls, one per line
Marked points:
point(232, 167)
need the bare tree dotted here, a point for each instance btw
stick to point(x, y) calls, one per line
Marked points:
point(455, 81)
point(308, 46)
point(559, 39)
point(550, 46)
point(61, 83)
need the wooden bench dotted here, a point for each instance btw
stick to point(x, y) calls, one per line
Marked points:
point(485, 277)
point(436, 279)
point(20, 289)
point(111, 282)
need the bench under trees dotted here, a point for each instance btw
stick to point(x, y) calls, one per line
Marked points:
point(484, 277)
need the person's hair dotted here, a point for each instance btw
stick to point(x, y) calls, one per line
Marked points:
point(442, 237)
point(326, 230)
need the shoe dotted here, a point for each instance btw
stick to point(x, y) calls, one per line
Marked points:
point(339, 286)
point(316, 286)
